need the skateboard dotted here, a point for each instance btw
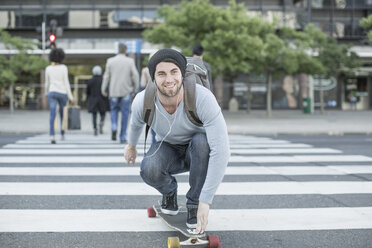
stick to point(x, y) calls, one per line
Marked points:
point(178, 223)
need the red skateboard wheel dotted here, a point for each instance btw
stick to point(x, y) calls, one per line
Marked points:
point(151, 212)
point(214, 241)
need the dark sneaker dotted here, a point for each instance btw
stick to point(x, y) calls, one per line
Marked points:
point(169, 204)
point(95, 132)
point(113, 135)
point(191, 217)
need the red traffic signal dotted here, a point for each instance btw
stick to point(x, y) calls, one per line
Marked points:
point(52, 38)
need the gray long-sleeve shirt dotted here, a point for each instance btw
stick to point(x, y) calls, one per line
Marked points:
point(182, 130)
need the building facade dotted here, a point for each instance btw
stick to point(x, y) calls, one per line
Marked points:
point(88, 31)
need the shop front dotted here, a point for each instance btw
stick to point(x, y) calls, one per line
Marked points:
point(357, 90)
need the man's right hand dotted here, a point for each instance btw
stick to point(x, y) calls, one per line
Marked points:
point(130, 154)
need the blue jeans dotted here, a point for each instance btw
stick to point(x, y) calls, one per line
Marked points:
point(121, 104)
point(55, 98)
point(158, 170)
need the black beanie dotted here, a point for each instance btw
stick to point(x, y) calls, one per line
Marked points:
point(167, 55)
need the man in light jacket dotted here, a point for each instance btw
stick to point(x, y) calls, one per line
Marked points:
point(119, 82)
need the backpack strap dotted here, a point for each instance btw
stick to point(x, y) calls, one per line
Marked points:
point(189, 85)
point(148, 107)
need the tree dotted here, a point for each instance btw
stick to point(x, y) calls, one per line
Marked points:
point(185, 26)
point(366, 23)
point(237, 43)
point(14, 65)
point(335, 58)
point(284, 54)
point(230, 37)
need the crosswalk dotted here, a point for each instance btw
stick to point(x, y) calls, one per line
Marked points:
point(83, 185)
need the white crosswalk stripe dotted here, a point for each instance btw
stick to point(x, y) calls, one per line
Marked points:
point(120, 151)
point(251, 188)
point(220, 220)
point(87, 157)
point(231, 170)
point(233, 159)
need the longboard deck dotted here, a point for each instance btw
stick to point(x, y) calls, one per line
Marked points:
point(178, 222)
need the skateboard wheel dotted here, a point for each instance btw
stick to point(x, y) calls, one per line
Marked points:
point(214, 241)
point(151, 212)
point(174, 242)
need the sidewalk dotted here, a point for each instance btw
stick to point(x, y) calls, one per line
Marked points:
point(333, 122)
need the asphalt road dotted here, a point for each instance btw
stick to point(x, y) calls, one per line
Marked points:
point(265, 218)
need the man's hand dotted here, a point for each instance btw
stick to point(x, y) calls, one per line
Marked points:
point(202, 216)
point(130, 154)
point(105, 94)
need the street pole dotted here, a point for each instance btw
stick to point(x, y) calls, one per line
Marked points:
point(11, 97)
point(269, 95)
point(321, 96)
point(42, 73)
point(43, 36)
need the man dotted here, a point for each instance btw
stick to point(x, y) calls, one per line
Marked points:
point(183, 146)
point(198, 51)
point(121, 79)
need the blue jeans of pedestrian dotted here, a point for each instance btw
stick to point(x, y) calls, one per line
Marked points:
point(55, 98)
point(157, 169)
point(121, 104)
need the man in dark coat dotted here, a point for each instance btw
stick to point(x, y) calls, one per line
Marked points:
point(96, 101)
point(198, 51)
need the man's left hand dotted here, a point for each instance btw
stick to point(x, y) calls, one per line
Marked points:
point(202, 216)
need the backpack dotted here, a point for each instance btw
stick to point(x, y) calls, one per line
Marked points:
point(196, 73)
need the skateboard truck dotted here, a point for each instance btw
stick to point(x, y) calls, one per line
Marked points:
point(174, 242)
point(178, 223)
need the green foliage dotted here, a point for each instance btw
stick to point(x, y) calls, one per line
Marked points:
point(366, 23)
point(20, 63)
point(235, 42)
point(185, 26)
point(286, 53)
point(232, 40)
point(335, 58)
point(76, 70)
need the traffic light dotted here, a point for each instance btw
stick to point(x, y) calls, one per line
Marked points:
point(52, 39)
point(46, 37)
point(52, 36)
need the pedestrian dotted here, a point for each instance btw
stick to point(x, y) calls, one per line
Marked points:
point(57, 88)
point(96, 101)
point(183, 146)
point(198, 51)
point(145, 78)
point(352, 100)
point(119, 82)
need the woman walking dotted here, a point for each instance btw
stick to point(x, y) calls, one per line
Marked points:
point(57, 88)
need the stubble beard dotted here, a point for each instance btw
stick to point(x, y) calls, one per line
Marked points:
point(169, 93)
